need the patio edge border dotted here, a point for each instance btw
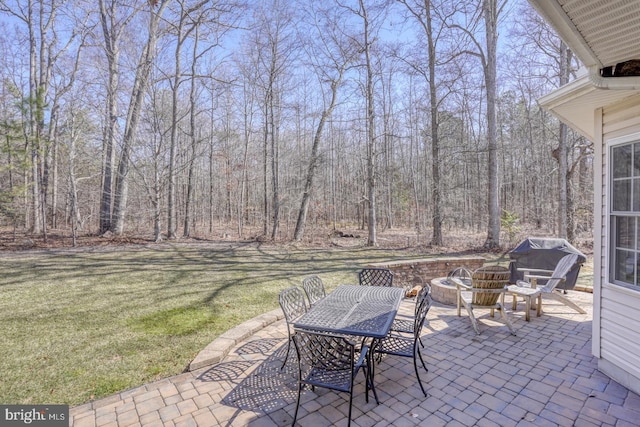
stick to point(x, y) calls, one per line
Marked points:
point(219, 348)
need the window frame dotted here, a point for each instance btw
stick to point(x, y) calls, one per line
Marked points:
point(612, 217)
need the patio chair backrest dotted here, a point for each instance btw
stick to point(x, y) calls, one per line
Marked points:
point(375, 277)
point(421, 315)
point(330, 357)
point(292, 303)
point(560, 272)
point(314, 288)
point(327, 361)
point(423, 294)
point(492, 278)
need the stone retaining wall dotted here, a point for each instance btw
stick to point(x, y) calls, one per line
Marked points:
point(419, 271)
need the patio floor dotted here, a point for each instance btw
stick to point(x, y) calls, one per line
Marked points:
point(544, 376)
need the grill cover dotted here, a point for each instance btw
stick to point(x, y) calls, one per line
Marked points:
point(544, 253)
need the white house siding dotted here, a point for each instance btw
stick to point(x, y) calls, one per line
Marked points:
point(617, 309)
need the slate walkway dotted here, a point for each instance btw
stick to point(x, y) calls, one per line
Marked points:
point(544, 376)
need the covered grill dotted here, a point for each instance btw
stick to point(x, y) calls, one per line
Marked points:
point(544, 253)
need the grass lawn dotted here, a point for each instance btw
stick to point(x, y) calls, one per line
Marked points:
point(78, 325)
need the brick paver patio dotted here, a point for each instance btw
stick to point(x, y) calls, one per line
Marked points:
point(544, 376)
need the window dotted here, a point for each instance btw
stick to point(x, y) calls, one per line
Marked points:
point(625, 214)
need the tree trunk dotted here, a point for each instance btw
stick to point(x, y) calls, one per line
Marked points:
point(491, 21)
point(33, 138)
point(436, 196)
point(133, 116)
point(564, 210)
point(313, 162)
point(371, 140)
point(194, 138)
point(265, 171)
point(275, 168)
point(173, 145)
point(111, 33)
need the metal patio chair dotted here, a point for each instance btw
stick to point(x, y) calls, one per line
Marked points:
point(407, 324)
point(293, 306)
point(397, 344)
point(330, 361)
point(375, 277)
point(314, 288)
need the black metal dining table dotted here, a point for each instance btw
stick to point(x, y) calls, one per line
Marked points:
point(355, 310)
point(366, 311)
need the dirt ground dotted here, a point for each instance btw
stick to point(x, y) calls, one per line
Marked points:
point(455, 241)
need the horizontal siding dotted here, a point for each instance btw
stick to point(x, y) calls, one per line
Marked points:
point(621, 118)
point(619, 307)
point(620, 327)
point(623, 110)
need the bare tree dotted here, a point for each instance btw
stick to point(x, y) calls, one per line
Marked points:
point(422, 12)
point(371, 138)
point(133, 115)
point(561, 151)
point(370, 28)
point(113, 20)
point(211, 22)
point(275, 48)
point(331, 58)
point(248, 97)
point(189, 17)
point(560, 65)
point(489, 11)
point(41, 19)
point(345, 137)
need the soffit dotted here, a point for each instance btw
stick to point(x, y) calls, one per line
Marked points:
point(600, 32)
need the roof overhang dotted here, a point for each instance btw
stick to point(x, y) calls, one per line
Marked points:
point(576, 102)
point(601, 33)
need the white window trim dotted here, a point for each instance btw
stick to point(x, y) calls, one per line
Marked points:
point(609, 145)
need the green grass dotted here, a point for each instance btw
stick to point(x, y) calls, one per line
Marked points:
point(79, 326)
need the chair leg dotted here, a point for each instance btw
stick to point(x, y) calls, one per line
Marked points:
point(527, 314)
point(506, 320)
point(350, 404)
point(474, 323)
point(424, 365)
point(295, 415)
point(539, 305)
point(415, 366)
point(566, 301)
point(286, 357)
point(369, 380)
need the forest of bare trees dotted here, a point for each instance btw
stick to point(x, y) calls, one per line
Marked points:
point(176, 118)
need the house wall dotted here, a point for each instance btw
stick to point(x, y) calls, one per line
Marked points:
point(616, 326)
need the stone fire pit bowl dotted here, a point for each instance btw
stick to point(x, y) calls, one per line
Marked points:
point(443, 291)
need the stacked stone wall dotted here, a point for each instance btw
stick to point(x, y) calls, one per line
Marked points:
point(415, 272)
